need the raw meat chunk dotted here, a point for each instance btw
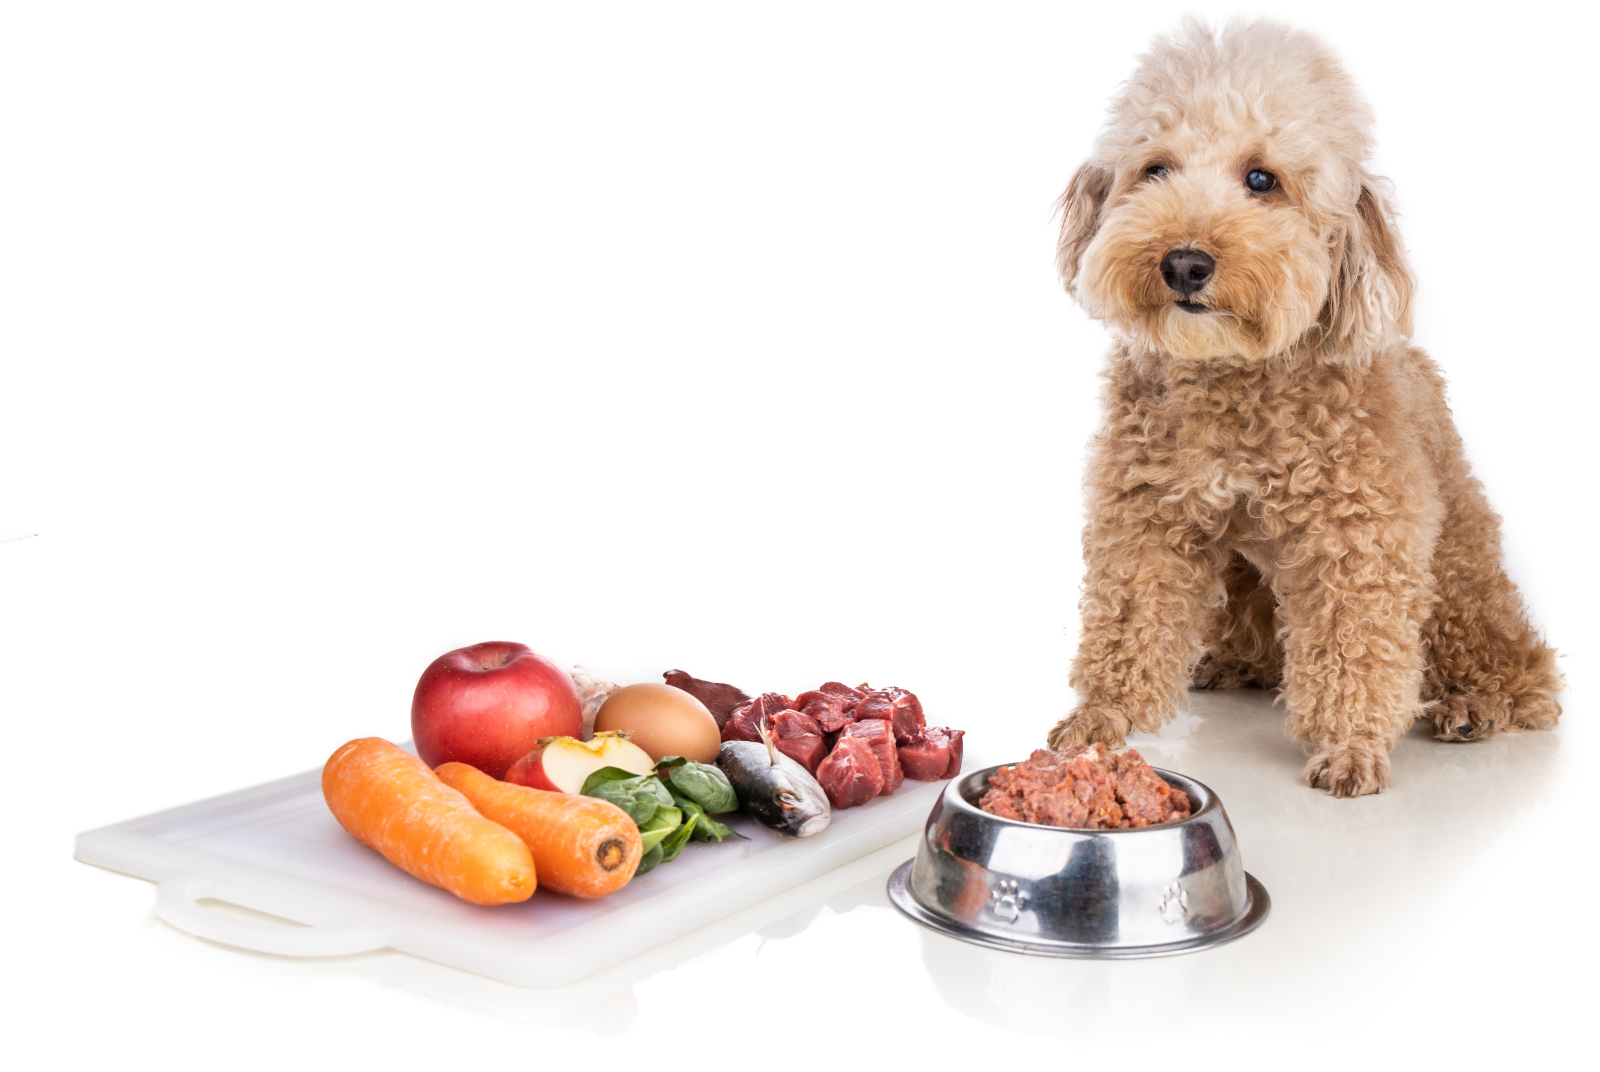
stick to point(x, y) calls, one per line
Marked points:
point(957, 750)
point(741, 725)
point(934, 755)
point(719, 699)
point(833, 705)
point(851, 774)
point(1083, 788)
point(831, 712)
point(745, 721)
point(876, 732)
point(800, 738)
point(770, 703)
point(901, 709)
point(788, 724)
point(809, 752)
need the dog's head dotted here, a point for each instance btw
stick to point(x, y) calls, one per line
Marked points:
point(1227, 212)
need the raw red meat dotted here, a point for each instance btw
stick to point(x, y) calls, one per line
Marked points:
point(745, 721)
point(786, 725)
point(770, 703)
point(876, 732)
point(720, 699)
point(809, 752)
point(741, 725)
point(800, 738)
point(834, 729)
point(851, 774)
point(901, 709)
point(833, 705)
point(934, 755)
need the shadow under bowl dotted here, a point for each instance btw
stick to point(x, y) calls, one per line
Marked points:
point(1147, 892)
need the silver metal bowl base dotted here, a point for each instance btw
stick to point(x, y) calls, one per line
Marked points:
point(1149, 891)
point(900, 894)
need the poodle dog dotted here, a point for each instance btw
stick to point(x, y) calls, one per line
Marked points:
point(1277, 495)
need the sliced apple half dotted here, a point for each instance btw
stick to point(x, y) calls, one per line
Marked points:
point(565, 763)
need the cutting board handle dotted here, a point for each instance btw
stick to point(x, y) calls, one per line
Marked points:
point(178, 903)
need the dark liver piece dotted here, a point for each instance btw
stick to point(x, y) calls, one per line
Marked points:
point(719, 699)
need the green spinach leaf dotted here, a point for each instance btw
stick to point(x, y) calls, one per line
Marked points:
point(637, 794)
point(676, 840)
point(708, 829)
point(702, 783)
point(649, 861)
point(604, 775)
point(704, 828)
point(655, 829)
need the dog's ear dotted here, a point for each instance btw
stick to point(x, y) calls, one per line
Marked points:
point(1080, 218)
point(1369, 299)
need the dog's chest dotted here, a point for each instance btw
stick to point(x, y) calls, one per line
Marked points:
point(1237, 453)
point(1216, 457)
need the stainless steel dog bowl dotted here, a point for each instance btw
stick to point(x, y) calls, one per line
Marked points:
point(1150, 892)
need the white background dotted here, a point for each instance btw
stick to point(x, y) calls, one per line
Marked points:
point(725, 337)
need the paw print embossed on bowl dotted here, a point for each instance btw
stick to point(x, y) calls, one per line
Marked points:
point(1146, 892)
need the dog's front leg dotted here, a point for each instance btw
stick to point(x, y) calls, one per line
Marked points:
point(1352, 598)
point(1153, 577)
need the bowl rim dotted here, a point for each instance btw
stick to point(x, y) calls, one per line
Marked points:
point(955, 797)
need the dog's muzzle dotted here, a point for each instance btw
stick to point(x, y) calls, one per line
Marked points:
point(1187, 271)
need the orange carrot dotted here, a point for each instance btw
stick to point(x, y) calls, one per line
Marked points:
point(582, 846)
point(389, 800)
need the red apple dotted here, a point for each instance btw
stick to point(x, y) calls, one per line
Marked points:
point(565, 763)
point(488, 705)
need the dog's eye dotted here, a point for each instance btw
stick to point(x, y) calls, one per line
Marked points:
point(1261, 181)
point(1155, 171)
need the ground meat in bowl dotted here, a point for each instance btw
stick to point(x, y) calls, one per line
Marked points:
point(1087, 787)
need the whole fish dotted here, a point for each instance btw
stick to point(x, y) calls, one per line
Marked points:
point(773, 788)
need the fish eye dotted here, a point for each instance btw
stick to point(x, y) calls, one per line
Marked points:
point(1261, 181)
point(1156, 171)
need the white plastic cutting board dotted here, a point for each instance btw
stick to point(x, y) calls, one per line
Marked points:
point(277, 849)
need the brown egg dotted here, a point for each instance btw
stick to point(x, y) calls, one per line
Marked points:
point(662, 720)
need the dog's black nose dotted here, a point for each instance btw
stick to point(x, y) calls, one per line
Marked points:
point(1187, 270)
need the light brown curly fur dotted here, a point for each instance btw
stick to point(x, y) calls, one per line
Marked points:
point(1278, 495)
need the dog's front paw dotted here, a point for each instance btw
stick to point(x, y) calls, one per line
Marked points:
point(1088, 724)
point(1353, 769)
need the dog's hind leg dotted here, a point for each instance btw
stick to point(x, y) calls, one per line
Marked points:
point(1154, 578)
point(1241, 641)
point(1487, 669)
